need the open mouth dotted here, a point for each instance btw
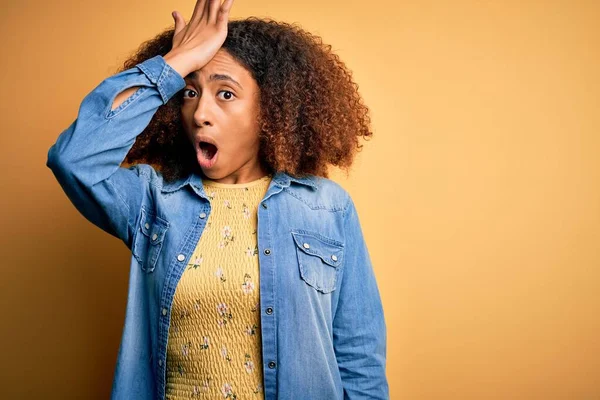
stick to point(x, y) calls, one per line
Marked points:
point(208, 149)
point(207, 154)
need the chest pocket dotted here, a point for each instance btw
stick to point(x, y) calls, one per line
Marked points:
point(319, 259)
point(149, 239)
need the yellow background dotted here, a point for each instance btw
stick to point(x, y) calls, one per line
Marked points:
point(478, 195)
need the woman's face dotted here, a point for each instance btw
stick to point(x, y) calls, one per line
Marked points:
point(220, 116)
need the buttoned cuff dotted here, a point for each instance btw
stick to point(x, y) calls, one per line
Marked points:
point(167, 80)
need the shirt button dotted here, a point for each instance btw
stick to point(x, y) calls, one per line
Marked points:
point(164, 311)
point(267, 251)
point(269, 310)
point(334, 258)
point(202, 215)
point(306, 245)
point(272, 364)
point(160, 362)
point(264, 205)
point(147, 225)
point(181, 257)
point(154, 236)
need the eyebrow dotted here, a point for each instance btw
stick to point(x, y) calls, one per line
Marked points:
point(214, 77)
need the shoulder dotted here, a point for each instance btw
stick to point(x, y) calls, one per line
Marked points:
point(147, 172)
point(331, 188)
point(155, 178)
point(339, 198)
point(320, 193)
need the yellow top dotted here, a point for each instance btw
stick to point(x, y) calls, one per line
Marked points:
point(214, 348)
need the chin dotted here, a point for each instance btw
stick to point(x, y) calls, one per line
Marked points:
point(212, 174)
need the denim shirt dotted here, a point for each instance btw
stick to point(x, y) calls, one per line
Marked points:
point(322, 322)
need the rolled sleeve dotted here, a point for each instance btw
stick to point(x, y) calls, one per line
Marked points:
point(159, 72)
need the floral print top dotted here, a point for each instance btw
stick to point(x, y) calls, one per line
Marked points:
point(214, 347)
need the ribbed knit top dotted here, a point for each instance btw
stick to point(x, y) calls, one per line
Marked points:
point(214, 348)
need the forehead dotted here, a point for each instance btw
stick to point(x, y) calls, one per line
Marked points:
point(222, 63)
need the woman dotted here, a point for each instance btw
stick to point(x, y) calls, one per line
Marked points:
point(250, 276)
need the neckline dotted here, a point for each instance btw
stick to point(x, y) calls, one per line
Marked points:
point(210, 182)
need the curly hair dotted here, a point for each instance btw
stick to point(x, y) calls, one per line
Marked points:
point(311, 114)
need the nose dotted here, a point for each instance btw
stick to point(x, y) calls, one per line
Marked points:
point(202, 114)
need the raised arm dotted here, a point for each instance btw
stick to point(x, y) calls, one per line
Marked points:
point(86, 157)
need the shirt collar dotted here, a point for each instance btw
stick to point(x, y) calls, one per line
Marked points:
point(279, 178)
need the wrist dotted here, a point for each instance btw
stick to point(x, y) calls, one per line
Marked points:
point(178, 63)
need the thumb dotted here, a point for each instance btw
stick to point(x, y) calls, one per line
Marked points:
point(179, 22)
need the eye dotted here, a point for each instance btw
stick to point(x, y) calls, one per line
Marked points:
point(231, 95)
point(185, 90)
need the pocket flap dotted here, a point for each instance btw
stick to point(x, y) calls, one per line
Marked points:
point(153, 226)
point(329, 250)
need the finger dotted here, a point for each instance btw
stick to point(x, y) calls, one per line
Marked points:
point(179, 22)
point(197, 14)
point(206, 11)
point(223, 15)
point(213, 10)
